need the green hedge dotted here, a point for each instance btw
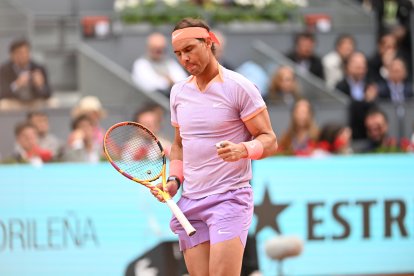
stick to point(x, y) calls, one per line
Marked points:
point(161, 13)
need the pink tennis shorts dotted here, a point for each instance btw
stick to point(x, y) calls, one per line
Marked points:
point(216, 218)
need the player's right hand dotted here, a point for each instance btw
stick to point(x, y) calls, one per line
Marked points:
point(171, 188)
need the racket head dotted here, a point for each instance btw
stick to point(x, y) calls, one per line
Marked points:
point(135, 152)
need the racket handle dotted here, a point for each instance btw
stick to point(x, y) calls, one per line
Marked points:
point(181, 217)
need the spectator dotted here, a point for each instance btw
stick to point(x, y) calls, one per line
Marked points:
point(379, 139)
point(395, 16)
point(23, 82)
point(356, 79)
point(376, 122)
point(284, 88)
point(81, 146)
point(333, 62)
point(304, 54)
point(333, 139)
point(91, 106)
point(302, 131)
point(152, 116)
point(386, 52)
point(361, 91)
point(155, 71)
point(396, 87)
point(27, 148)
point(47, 140)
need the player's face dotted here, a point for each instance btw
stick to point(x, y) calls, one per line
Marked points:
point(193, 54)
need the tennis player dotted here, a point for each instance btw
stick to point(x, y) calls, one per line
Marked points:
point(221, 124)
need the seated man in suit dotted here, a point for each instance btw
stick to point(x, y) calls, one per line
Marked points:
point(361, 92)
point(22, 81)
point(396, 86)
point(304, 54)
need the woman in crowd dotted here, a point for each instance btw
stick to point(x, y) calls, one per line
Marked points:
point(302, 131)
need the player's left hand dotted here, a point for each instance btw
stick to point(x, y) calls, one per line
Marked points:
point(231, 152)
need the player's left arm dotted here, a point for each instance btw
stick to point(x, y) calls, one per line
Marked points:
point(260, 128)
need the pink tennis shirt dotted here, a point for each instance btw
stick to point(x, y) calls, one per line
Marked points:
point(208, 117)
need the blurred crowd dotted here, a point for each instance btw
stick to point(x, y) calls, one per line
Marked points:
point(387, 75)
point(36, 144)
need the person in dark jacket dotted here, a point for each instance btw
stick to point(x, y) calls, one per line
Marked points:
point(22, 80)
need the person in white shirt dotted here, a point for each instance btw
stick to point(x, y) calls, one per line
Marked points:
point(333, 62)
point(155, 71)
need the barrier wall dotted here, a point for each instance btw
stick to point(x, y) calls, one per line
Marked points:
point(354, 214)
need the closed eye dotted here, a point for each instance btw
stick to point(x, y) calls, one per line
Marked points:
point(186, 50)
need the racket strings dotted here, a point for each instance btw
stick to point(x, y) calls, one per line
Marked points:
point(135, 151)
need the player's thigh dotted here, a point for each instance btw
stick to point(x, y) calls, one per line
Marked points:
point(226, 258)
point(197, 259)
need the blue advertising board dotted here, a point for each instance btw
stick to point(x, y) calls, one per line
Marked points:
point(355, 215)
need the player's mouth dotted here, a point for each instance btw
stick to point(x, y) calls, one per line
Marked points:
point(190, 67)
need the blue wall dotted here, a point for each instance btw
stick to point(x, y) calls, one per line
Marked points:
point(77, 219)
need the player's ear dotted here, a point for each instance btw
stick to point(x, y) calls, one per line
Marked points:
point(209, 42)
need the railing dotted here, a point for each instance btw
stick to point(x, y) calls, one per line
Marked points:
point(115, 85)
point(313, 87)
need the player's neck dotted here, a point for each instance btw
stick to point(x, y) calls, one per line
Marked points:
point(209, 73)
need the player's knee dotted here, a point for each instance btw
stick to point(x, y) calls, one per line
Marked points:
point(225, 270)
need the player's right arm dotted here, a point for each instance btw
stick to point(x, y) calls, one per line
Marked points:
point(177, 146)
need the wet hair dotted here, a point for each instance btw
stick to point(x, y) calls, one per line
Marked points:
point(194, 22)
point(17, 44)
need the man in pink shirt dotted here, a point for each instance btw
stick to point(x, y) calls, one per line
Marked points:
point(221, 124)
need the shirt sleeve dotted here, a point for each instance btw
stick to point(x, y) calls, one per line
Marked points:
point(173, 106)
point(249, 100)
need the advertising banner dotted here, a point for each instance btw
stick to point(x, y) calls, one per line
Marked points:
point(354, 215)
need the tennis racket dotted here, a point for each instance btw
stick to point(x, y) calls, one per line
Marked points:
point(135, 152)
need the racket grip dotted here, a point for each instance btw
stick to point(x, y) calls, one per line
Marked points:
point(189, 229)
